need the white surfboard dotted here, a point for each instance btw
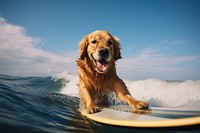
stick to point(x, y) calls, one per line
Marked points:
point(154, 117)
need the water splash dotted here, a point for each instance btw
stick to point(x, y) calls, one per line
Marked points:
point(159, 93)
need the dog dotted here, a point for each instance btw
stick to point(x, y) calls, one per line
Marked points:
point(97, 72)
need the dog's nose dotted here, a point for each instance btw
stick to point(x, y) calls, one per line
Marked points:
point(103, 52)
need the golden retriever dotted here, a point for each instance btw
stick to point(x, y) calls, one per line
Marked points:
point(97, 72)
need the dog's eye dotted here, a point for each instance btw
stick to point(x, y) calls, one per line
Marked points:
point(94, 42)
point(109, 42)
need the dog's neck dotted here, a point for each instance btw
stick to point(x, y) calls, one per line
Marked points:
point(97, 80)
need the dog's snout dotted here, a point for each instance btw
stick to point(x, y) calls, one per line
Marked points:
point(104, 52)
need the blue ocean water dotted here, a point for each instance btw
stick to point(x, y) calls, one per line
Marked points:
point(51, 104)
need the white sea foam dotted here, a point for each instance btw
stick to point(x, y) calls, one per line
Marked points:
point(70, 87)
point(167, 93)
point(184, 94)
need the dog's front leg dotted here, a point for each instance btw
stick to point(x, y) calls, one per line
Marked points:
point(123, 94)
point(88, 100)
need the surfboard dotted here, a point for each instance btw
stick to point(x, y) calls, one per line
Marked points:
point(123, 115)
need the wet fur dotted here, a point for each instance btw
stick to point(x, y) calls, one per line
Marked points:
point(93, 84)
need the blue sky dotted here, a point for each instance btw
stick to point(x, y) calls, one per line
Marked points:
point(159, 38)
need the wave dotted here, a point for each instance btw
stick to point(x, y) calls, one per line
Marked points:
point(51, 104)
point(70, 87)
point(35, 104)
point(159, 93)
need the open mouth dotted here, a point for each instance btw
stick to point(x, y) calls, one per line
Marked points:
point(102, 65)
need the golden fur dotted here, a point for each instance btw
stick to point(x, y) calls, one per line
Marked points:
point(97, 72)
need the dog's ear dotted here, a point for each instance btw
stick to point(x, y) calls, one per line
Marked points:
point(83, 47)
point(117, 48)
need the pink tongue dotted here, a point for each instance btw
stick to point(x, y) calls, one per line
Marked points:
point(102, 65)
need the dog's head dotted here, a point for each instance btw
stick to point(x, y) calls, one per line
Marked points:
point(101, 49)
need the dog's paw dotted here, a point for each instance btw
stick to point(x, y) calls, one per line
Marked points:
point(140, 105)
point(93, 109)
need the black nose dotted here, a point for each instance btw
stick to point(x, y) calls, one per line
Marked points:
point(104, 52)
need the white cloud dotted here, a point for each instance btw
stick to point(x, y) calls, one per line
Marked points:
point(150, 64)
point(19, 55)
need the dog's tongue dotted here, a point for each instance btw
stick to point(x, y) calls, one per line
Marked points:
point(102, 65)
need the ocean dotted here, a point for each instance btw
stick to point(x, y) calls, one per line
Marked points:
point(51, 104)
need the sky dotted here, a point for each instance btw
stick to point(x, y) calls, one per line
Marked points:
point(159, 38)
